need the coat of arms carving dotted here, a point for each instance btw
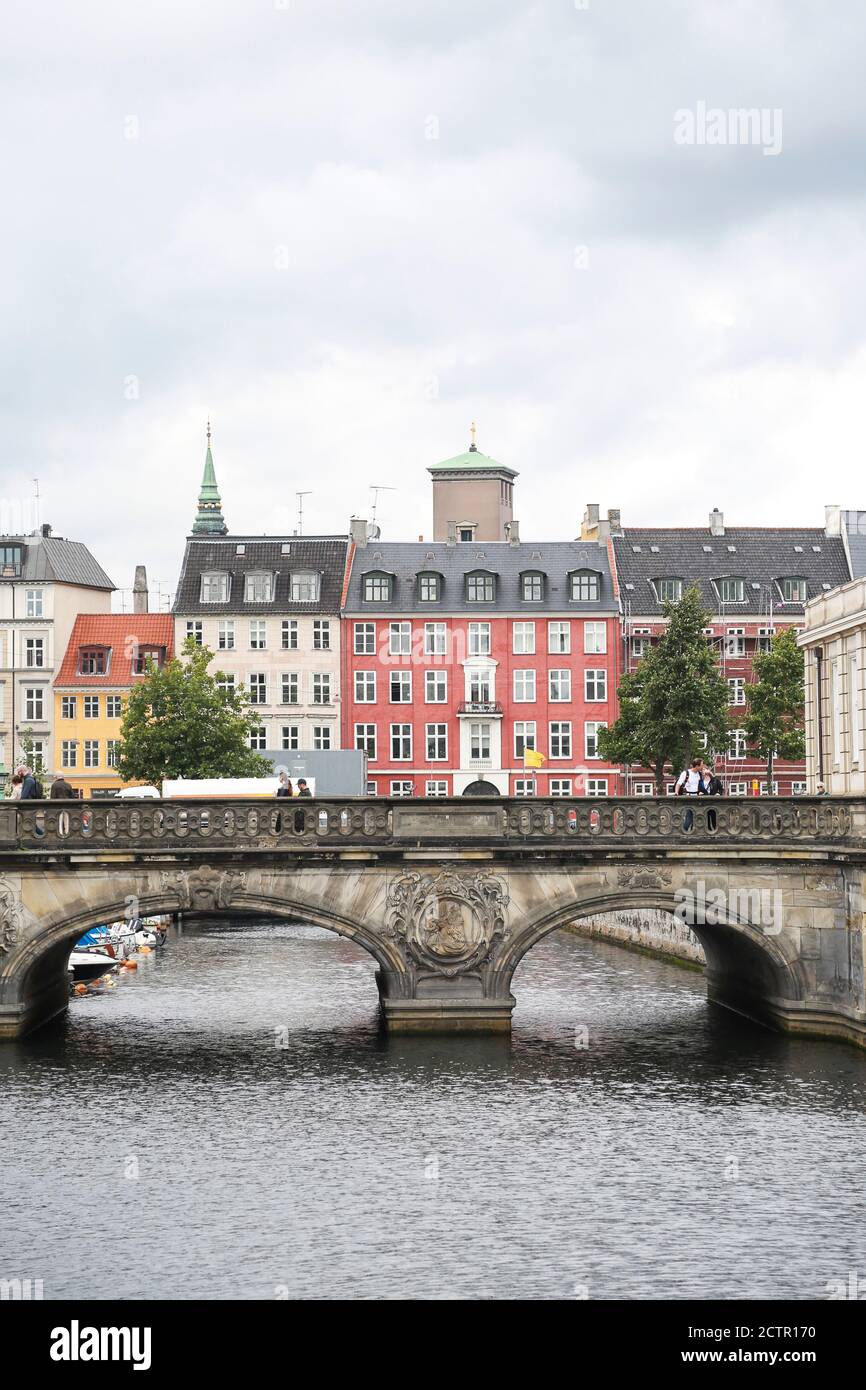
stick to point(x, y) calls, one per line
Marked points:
point(447, 922)
point(10, 916)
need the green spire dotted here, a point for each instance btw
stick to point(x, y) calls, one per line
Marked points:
point(209, 517)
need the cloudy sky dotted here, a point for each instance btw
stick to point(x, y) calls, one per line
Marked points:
point(346, 230)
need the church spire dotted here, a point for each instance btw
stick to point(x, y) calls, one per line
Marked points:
point(209, 517)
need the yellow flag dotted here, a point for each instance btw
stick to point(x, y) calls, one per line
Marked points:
point(532, 758)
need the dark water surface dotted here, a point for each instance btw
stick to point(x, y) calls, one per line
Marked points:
point(229, 1122)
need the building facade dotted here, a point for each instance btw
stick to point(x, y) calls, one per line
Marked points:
point(834, 645)
point(45, 582)
point(105, 656)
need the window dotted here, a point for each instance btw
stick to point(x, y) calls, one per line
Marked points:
point(372, 789)
point(524, 687)
point(93, 661)
point(479, 639)
point(34, 651)
point(480, 588)
point(437, 743)
point(194, 630)
point(434, 639)
point(259, 588)
point(34, 702)
point(854, 709)
point(91, 752)
point(304, 587)
point(774, 792)
point(523, 639)
point(590, 737)
point(402, 788)
point(321, 688)
point(480, 692)
point(435, 687)
point(524, 736)
point(290, 688)
point(37, 755)
point(365, 739)
point(145, 657)
point(640, 646)
point(595, 686)
point(524, 786)
point(479, 741)
point(559, 637)
point(737, 743)
point(644, 789)
point(798, 788)
point(69, 753)
point(560, 786)
point(559, 685)
point(401, 742)
point(737, 690)
point(258, 738)
point(112, 752)
point(258, 635)
point(10, 559)
point(321, 635)
point(735, 642)
point(91, 707)
point(225, 682)
point(764, 639)
point(290, 738)
point(400, 687)
point(226, 635)
point(794, 590)
point(258, 684)
point(321, 737)
point(436, 788)
point(738, 789)
point(466, 533)
point(377, 588)
point(429, 586)
point(365, 639)
point(365, 687)
point(596, 786)
point(732, 590)
point(290, 635)
point(400, 639)
point(68, 706)
point(669, 590)
point(532, 588)
point(215, 588)
point(33, 605)
point(595, 638)
point(585, 586)
point(560, 740)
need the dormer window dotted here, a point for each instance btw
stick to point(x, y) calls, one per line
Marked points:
point(147, 656)
point(585, 586)
point(10, 559)
point(377, 588)
point(669, 590)
point(731, 590)
point(305, 586)
point(94, 661)
point(480, 587)
point(466, 534)
point(258, 588)
point(532, 586)
point(215, 587)
point(794, 590)
point(429, 588)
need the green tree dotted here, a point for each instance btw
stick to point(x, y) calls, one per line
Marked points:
point(774, 723)
point(178, 722)
point(676, 694)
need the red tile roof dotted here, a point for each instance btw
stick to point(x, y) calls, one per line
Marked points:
point(123, 633)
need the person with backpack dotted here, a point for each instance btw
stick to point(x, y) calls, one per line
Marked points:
point(691, 783)
point(715, 787)
point(31, 787)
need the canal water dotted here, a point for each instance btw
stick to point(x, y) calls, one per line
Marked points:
point(229, 1122)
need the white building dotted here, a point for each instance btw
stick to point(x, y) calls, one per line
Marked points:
point(834, 643)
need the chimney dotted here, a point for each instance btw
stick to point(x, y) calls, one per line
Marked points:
point(139, 590)
point(358, 531)
point(589, 525)
point(717, 522)
point(603, 529)
point(452, 533)
point(46, 530)
point(832, 521)
point(614, 517)
point(512, 532)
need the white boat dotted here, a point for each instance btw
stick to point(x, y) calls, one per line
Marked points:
point(90, 965)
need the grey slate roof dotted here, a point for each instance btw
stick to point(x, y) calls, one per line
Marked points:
point(325, 554)
point(54, 560)
point(756, 554)
point(855, 531)
point(555, 559)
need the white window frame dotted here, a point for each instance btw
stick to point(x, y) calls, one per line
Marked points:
point(435, 687)
point(400, 639)
point(595, 685)
point(595, 638)
point(400, 737)
point(435, 639)
point(365, 687)
point(597, 786)
point(559, 736)
point(559, 637)
point(523, 739)
point(365, 639)
point(559, 686)
point(400, 681)
point(436, 736)
point(523, 639)
point(590, 737)
point(525, 686)
point(479, 639)
point(365, 740)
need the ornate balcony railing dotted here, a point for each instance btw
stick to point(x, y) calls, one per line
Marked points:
point(380, 824)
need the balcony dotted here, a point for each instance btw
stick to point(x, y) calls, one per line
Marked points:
point(490, 709)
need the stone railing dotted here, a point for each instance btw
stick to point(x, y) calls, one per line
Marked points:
point(367, 823)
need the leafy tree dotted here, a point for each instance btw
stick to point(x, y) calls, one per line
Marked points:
point(676, 694)
point(774, 723)
point(28, 757)
point(178, 722)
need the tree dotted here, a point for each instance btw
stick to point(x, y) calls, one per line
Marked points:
point(774, 723)
point(676, 694)
point(179, 722)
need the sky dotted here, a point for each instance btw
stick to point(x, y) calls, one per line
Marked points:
point(344, 231)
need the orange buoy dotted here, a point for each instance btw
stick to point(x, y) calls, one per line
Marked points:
point(129, 965)
point(145, 950)
point(81, 989)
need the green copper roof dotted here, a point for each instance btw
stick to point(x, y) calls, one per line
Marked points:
point(472, 460)
point(209, 517)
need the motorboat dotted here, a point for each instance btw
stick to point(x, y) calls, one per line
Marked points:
point(90, 965)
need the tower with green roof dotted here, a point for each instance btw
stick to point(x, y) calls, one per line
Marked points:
point(473, 497)
point(209, 519)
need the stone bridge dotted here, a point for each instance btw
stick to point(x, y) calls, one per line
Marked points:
point(449, 895)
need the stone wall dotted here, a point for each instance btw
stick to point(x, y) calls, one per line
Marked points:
point(650, 928)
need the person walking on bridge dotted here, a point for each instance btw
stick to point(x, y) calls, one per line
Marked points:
point(691, 783)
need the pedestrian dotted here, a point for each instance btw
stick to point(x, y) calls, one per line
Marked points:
point(714, 787)
point(31, 787)
point(285, 788)
point(820, 790)
point(303, 789)
point(61, 790)
point(691, 783)
point(15, 792)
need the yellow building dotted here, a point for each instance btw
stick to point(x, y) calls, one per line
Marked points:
point(106, 654)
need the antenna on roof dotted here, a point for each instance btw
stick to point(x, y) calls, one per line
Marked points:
point(376, 488)
point(472, 447)
point(300, 496)
point(36, 506)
